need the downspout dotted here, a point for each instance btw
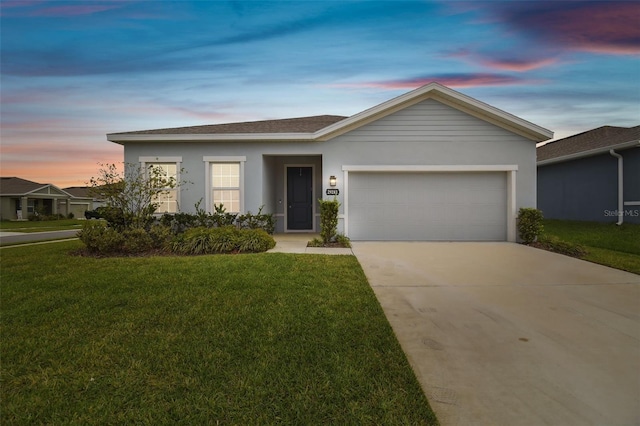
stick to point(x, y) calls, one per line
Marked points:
point(620, 187)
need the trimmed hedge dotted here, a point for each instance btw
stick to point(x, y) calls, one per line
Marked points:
point(228, 239)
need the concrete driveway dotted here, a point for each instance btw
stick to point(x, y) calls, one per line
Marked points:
point(504, 334)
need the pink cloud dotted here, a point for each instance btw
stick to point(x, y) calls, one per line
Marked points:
point(599, 27)
point(450, 80)
point(519, 65)
point(507, 62)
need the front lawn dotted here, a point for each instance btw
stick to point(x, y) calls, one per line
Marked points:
point(267, 338)
point(606, 243)
point(40, 226)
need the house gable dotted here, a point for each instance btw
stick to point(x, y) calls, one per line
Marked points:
point(445, 96)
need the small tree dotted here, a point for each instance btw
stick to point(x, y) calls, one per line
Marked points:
point(328, 219)
point(132, 194)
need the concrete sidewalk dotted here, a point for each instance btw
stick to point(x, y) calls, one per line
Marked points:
point(297, 243)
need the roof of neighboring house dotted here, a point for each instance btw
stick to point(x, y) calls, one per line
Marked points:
point(287, 125)
point(588, 143)
point(16, 186)
point(325, 127)
point(82, 192)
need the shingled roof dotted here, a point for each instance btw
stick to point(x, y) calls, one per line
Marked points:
point(18, 186)
point(592, 141)
point(287, 125)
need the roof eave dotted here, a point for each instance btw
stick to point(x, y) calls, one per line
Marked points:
point(209, 137)
point(589, 153)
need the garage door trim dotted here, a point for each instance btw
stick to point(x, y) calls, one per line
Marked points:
point(509, 169)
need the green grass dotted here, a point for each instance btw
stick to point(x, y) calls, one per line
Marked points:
point(40, 226)
point(606, 243)
point(248, 339)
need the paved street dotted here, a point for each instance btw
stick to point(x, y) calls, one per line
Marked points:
point(21, 237)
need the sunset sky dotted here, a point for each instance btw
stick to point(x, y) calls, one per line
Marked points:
point(73, 71)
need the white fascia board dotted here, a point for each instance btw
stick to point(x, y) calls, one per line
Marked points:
point(588, 153)
point(432, 168)
point(445, 95)
point(55, 188)
point(209, 137)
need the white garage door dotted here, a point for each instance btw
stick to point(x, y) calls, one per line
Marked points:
point(427, 206)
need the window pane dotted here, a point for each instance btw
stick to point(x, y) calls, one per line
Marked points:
point(168, 170)
point(229, 198)
point(168, 202)
point(225, 175)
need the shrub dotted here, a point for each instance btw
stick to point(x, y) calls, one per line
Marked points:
point(259, 220)
point(221, 218)
point(160, 236)
point(316, 242)
point(227, 239)
point(178, 222)
point(70, 215)
point(556, 245)
point(255, 241)
point(529, 224)
point(136, 240)
point(113, 215)
point(328, 219)
point(100, 238)
point(206, 241)
point(343, 240)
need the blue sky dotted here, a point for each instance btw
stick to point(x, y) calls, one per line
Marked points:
point(73, 71)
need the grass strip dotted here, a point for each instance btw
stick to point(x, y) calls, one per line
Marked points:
point(606, 243)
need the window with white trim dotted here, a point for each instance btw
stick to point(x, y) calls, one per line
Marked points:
point(225, 184)
point(168, 199)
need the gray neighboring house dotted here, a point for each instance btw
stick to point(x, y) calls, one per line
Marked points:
point(20, 198)
point(592, 176)
point(431, 164)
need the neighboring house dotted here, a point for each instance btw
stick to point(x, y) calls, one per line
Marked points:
point(432, 164)
point(20, 198)
point(86, 199)
point(591, 176)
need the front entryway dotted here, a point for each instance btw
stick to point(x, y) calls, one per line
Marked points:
point(299, 198)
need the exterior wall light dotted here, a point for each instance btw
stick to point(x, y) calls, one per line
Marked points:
point(332, 181)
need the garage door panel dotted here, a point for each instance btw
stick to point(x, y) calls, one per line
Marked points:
point(427, 206)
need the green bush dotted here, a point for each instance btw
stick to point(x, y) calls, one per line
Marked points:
point(259, 220)
point(343, 240)
point(136, 241)
point(227, 239)
point(100, 238)
point(556, 245)
point(113, 215)
point(161, 236)
point(530, 224)
point(328, 219)
point(206, 241)
point(255, 241)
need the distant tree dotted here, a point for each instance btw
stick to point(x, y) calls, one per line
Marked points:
point(132, 195)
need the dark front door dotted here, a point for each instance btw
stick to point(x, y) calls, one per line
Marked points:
point(299, 198)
